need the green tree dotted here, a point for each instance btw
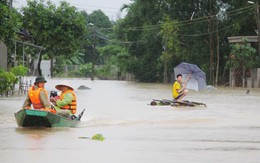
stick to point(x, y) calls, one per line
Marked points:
point(115, 61)
point(140, 27)
point(60, 30)
point(203, 28)
point(99, 19)
point(98, 29)
point(9, 23)
point(243, 56)
point(7, 81)
point(171, 45)
point(85, 69)
point(19, 70)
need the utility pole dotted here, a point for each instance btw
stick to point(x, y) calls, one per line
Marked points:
point(10, 3)
point(23, 54)
point(94, 54)
point(165, 65)
point(211, 43)
point(15, 63)
point(217, 64)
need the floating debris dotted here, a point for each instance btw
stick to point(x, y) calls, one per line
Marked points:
point(83, 87)
point(83, 137)
point(99, 137)
point(210, 88)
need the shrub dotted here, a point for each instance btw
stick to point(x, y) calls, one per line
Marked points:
point(7, 80)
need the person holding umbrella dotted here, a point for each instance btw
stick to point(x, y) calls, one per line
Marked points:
point(179, 88)
point(197, 78)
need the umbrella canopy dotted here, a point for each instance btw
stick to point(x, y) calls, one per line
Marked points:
point(198, 77)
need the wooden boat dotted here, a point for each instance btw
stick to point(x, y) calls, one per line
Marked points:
point(38, 118)
point(176, 103)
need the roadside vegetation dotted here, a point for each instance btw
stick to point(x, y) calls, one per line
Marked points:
point(148, 42)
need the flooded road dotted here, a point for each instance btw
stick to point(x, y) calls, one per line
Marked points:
point(227, 130)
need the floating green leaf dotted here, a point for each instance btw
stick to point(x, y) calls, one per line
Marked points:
point(99, 137)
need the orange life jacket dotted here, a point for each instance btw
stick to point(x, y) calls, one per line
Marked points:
point(34, 95)
point(73, 105)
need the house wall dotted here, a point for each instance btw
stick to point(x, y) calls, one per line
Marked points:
point(3, 55)
point(257, 80)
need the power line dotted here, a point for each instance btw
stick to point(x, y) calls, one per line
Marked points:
point(104, 37)
point(203, 34)
point(181, 23)
point(215, 15)
point(189, 22)
point(112, 41)
point(83, 5)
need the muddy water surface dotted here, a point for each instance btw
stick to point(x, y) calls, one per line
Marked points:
point(228, 130)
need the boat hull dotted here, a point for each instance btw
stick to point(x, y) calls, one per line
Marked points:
point(38, 118)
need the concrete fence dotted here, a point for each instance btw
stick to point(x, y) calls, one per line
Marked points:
point(248, 79)
point(23, 87)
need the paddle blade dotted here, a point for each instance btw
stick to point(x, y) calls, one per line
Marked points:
point(81, 114)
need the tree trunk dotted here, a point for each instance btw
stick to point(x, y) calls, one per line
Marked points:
point(258, 26)
point(15, 46)
point(51, 66)
point(39, 64)
point(93, 55)
point(217, 66)
point(165, 70)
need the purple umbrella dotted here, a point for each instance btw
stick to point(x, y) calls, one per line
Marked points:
point(198, 77)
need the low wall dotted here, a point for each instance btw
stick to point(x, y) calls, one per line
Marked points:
point(250, 82)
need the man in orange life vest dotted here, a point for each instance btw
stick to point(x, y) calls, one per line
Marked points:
point(66, 105)
point(37, 96)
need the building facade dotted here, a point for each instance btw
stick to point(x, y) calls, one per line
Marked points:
point(3, 56)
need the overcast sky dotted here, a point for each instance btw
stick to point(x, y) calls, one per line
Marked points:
point(110, 7)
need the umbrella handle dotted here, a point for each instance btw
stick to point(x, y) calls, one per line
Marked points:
point(189, 77)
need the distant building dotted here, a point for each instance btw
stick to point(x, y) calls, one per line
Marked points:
point(46, 68)
point(3, 55)
point(236, 76)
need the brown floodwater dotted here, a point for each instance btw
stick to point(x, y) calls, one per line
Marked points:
point(227, 130)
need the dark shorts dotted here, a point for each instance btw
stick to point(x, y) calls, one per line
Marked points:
point(178, 96)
